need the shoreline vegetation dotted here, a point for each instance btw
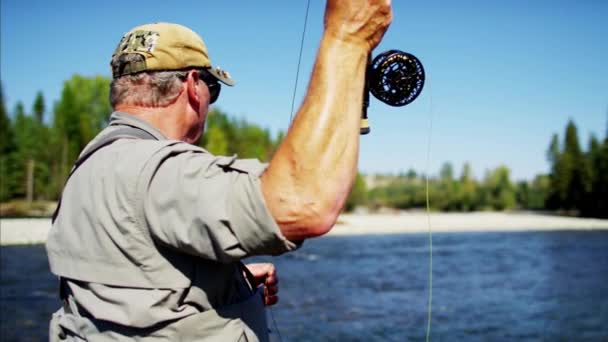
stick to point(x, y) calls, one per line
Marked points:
point(36, 155)
point(24, 231)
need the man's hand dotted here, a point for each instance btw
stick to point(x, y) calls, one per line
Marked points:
point(359, 21)
point(266, 274)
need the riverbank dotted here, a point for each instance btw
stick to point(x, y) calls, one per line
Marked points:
point(35, 230)
point(418, 222)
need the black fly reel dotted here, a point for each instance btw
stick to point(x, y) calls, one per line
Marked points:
point(395, 78)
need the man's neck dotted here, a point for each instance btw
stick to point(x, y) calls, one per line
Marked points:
point(163, 118)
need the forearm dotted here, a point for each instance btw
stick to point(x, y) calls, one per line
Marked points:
point(311, 174)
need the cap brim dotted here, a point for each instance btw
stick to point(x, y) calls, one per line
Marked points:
point(222, 76)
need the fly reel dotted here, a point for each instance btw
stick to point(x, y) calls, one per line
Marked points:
point(393, 77)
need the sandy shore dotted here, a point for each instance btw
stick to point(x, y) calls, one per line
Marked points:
point(418, 222)
point(24, 231)
point(34, 231)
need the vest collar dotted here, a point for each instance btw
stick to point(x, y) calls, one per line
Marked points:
point(122, 118)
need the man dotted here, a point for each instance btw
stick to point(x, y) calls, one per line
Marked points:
point(150, 231)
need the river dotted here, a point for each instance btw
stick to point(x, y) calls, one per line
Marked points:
point(486, 287)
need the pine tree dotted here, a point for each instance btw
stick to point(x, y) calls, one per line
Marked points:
point(42, 156)
point(19, 109)
point(600, 178)
point(579, 177)
point(7, 149)
point(39, 107)
point(556, 177)
point(553, 150)
point(594, 160)
point(27, 141)
point(7, 143)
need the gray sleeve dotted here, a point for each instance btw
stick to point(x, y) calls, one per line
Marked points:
point(211, 207)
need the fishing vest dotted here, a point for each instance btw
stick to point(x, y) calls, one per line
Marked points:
point(125, 255)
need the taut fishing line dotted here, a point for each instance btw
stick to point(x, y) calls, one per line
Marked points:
point(293, 101)
point(428, 214)
point(295, 86)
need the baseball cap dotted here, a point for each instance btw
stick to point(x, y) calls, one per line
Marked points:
point(165, 46)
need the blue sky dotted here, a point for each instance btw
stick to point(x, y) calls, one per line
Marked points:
point(502, 76)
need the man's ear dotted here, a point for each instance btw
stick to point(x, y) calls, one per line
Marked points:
point(192, 83)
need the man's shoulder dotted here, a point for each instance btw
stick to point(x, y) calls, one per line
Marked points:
point(138, 154)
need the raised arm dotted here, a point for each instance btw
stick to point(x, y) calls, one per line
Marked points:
point(312, 172)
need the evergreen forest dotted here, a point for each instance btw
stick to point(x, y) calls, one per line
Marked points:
point(36, 154)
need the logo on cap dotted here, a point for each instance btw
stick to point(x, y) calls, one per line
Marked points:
point(138, 41)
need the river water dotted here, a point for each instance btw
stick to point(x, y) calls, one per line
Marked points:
point(486, 287)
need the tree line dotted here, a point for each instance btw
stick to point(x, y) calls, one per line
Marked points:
point(578, 178)
point(450, 192)
point(36, 154)
point(577, 184)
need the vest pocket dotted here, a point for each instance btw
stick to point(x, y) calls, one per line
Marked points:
point(244, 321)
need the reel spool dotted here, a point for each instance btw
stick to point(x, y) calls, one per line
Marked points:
point(393, 77)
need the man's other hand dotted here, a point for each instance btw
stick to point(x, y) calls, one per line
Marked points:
point(266, 274)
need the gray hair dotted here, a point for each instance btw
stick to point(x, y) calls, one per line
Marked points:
point(147, 88)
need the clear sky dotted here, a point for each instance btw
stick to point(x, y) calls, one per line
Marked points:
point(502, 76)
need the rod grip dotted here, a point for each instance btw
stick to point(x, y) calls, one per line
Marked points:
point(364, 125)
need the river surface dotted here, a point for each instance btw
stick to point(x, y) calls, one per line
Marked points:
point(532, 286)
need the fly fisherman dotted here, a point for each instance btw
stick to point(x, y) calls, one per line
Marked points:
point(150, 231)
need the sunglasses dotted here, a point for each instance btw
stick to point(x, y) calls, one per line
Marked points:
point(212, 83)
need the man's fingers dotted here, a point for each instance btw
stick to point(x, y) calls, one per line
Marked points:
point(271, 290)
point(272, 280)
point(271, 300)
point(264, 273)
point(271, 271)
point(270, 294)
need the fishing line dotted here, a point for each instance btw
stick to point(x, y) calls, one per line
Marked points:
point(274, 322)
point(428, 213)
point(395, 78)
point(295, 86)
point(293, 101)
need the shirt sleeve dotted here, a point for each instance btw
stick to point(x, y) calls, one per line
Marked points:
point(212, 207)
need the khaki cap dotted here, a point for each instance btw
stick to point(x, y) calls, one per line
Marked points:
point(165, 46)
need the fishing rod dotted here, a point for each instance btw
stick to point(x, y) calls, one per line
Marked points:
point(393, 77)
